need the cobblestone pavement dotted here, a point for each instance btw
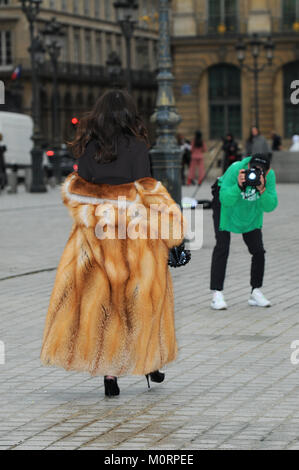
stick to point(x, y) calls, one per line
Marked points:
point(232, 387)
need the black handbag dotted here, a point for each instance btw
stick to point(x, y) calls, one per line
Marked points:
point(179, 256)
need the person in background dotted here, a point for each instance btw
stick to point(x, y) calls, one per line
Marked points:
point(257, 143)
point(276, 142)
point(230, 152)
point(198, 148)
point(185, 147)
point(295, 143)
point(3, 177)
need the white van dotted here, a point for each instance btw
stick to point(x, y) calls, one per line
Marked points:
point(17, 130)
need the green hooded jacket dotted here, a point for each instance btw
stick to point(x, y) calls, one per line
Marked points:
point(243, 211)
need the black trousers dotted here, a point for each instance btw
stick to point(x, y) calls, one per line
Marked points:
point(254, 242)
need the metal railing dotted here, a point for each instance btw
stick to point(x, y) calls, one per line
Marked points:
point(86, 73)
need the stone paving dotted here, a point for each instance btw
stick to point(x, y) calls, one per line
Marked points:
point(232, 387)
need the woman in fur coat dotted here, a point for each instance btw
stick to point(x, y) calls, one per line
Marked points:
point(111, 311)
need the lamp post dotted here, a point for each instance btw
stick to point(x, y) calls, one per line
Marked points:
point(166, 154)
point(113, 65)
point(31, 9)
point(127, 17)
point(256, 43)
point(53, 35)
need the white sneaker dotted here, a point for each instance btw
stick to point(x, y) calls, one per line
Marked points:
point(218, 302)
point(257, 299)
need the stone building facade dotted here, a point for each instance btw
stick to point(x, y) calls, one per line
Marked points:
point(91, 33)
point(213, 92)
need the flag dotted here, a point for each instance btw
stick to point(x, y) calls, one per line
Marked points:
point(16, 73)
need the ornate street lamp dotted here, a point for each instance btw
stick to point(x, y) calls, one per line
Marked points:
point(166, 154)
point(256, 43)
point(53, 38)
point(31, 9)
point(127, 17)
point(114, 69)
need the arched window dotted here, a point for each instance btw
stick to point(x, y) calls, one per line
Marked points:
point(224, 101)
point(291, 111)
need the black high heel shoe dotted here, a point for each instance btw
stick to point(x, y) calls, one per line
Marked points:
point(111, 387)
point(156, 376)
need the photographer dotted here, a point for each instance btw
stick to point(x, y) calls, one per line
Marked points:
point(241, 196)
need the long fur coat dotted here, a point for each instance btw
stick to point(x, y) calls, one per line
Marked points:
point(111, 311)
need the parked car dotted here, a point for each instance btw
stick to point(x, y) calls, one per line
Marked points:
point(61, 157)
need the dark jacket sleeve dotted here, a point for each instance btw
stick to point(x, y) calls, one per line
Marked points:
point(141, 167)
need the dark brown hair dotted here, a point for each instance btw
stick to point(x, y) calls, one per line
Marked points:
point(114, 114)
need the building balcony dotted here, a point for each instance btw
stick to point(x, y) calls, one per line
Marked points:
point(82, 73)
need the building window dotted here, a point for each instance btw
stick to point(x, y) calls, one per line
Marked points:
point(118, 42)
point(65, 49)
point(107, 9)
point(224, 101)
point(77, 49)
point(5, 48)
point(291, 111)
point(99, 51)
point(142, 53)
point(86, 7)
point(223, 16)
point(108, 45)
point(87, 48)
point(76, 6)
point(97, 10)
point(290, 15)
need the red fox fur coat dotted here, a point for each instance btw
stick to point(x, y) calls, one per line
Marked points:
point(111, 311)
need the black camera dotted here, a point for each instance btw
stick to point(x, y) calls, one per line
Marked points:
point(253, 177)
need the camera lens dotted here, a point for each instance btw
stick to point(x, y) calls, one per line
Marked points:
point(252, 176)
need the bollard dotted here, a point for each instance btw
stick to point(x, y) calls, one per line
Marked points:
point(52, 182)
point(12, 179)
point(28, 179)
